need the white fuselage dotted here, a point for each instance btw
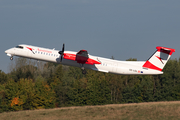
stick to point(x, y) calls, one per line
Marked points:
point(107, 65)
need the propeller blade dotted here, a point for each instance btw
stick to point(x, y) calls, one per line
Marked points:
point(63, 48)
point(61, 52)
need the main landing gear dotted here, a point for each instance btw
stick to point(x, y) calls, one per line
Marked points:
point(83, 70)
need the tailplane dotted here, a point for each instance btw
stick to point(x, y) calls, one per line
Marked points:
point(159, 59)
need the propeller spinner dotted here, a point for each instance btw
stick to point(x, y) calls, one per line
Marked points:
point(62, 53)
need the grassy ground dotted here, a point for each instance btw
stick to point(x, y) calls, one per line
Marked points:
point(135, 111)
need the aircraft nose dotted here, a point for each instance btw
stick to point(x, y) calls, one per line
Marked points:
point(6, 51)
point(9, 52)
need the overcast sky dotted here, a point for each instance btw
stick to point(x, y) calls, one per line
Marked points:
point(120, 28)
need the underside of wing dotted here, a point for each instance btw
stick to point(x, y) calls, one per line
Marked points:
point(81, 57)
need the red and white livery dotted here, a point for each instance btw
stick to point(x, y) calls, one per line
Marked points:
point(153, 66)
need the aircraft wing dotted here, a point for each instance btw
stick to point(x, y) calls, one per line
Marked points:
point(81, 57)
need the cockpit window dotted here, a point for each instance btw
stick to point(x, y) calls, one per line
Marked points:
point(19, 47)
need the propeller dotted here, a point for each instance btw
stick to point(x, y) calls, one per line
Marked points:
point(62, 53)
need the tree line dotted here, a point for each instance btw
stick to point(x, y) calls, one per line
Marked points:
point(32, 85)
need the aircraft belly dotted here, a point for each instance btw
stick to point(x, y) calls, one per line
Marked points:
point(136, 71)
point(75, 64)
point(101, 68)
point(70, 62)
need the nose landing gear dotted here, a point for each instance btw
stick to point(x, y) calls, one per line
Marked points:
point(11, 58)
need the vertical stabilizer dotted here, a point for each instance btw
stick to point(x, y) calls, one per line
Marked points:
point(159, 59)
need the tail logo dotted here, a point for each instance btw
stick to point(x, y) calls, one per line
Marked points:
point(160, 59)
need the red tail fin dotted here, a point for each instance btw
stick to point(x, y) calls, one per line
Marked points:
point(159, 59)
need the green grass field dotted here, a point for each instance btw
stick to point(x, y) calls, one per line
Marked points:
point(134, 111)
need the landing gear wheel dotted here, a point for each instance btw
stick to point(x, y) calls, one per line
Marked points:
point(11, 58)
point(84, 71)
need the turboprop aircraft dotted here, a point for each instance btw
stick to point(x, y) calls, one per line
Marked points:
point(153, 66)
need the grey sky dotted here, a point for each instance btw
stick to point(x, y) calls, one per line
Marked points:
point(120, 28)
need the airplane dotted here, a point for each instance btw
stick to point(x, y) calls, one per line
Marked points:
point(153, 66)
